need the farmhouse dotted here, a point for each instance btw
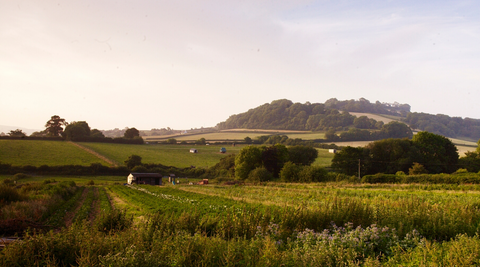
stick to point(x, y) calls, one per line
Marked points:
point(145, 178)
point(193, 150)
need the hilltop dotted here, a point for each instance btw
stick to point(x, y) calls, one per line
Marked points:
point(335, 115)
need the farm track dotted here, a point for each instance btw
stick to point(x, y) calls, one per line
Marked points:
point(109, 161)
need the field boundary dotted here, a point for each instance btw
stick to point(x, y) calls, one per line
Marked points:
point(102, 157)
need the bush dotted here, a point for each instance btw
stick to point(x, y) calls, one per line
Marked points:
point(91, 182)
point(113, 221)
point(312, 174)
point(9, 194)
point(19, 176)
point(260, 174)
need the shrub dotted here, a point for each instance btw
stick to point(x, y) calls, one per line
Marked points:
point(113, 221)
point(91, 182)
point(7, 181)
point(260, 174)
point(417, 168)
point(19, 176)
point(9, 193)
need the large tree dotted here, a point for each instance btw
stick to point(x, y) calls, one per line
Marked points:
point(439, 154)
point(54, 126)
point(131, 133)
point(77, 130)
point(248, 159)
point(17, 133)
point(348, 159)
point(302, 155)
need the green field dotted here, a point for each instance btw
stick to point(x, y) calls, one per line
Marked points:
point(37, 153)
point(168, 155)
point(55, 153)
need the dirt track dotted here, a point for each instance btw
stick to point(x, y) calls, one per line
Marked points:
point(111, 162)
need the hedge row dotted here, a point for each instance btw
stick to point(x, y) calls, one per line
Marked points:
point(98, 169)
point(116, 140)
point(464, 178)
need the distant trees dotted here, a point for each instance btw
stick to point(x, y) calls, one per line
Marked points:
point(201, 141)
point(131, 133)
point(444, 125)
point(133, 161)
point(283, 114)
point(171, 141)
point(54, 126)
point(17, 133)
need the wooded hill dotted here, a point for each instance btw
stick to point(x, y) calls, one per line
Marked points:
point(334, 115)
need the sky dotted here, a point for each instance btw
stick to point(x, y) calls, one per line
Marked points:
point(191, 64)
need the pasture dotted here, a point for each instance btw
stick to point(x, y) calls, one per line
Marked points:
point(168, 155)
point(37, 153)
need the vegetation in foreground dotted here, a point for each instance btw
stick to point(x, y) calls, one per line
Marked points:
point(274, 224)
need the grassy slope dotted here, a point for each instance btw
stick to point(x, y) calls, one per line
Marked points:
point(169, 155)
point(37, 153)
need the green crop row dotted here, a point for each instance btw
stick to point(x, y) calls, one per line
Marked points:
point(57, 218)
point(86, 208)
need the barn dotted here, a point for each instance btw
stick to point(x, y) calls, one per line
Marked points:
point(144, 178)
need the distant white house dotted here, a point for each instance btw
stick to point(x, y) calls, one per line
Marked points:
point(332, 151)
point(193, 150)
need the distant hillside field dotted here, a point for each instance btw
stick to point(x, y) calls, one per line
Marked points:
point(37, 153)
point(235, 135)
point(385, 118)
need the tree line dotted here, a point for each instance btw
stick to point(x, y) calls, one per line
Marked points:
point(58, 128)
point(444, 125)
point(424, 153)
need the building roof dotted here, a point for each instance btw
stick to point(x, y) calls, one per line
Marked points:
point(139, 174)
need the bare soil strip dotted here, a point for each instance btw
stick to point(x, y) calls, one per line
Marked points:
point(109, 161)
point(71, 214)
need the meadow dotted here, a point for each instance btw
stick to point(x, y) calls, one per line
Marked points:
point(37, 153)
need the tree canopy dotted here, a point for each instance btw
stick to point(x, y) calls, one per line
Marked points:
point(436, 153)
point(286, 115)
point(131, 133)
point(54, 126)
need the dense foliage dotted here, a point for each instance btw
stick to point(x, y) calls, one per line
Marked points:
point(444, 125)
point(284, 114)
point(436, 153)
point(271, 159)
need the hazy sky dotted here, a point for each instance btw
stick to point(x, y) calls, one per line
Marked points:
point(187, 64)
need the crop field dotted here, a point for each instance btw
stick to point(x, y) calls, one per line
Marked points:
point(270, 224)
point(37, 153)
